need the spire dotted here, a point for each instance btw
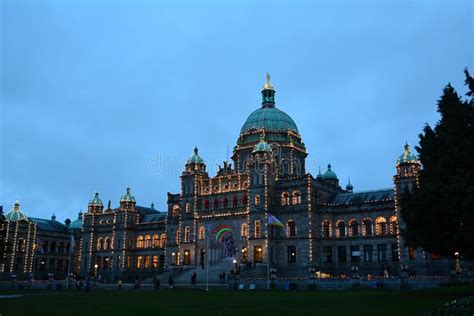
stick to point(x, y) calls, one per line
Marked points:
point(53, 217)
point(349, 186)
point(268, 94)
point(108, 205)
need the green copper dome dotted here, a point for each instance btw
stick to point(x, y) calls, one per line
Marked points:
point(329, 174)
point(407, 156)
point(16, 214)
point(96, 201)
point(195, 158)
point(262, 146)
point(77, 224)
point(127, 197)
point(269, 118)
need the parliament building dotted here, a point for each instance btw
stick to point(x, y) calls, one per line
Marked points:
point(263, 207)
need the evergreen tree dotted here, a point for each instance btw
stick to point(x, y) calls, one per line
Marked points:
point(439, 213)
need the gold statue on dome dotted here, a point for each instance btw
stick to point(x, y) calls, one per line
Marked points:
point(268, 85)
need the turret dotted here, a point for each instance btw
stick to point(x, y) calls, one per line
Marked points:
point(330, 177)
point(408, 167)
point(195, 163)
point(127, 201)
point(95, 205)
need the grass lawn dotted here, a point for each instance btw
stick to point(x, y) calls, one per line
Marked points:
point(189, 302)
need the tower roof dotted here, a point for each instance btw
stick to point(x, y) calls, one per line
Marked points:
point(127, 197)
point(195, 158)
point(77, 224)
point(96, 201)
point(407, 157)
point(329, 174)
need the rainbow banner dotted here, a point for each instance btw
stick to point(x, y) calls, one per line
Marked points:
point(273, 221)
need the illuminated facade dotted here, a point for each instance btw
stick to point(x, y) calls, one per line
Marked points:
point(327, 228)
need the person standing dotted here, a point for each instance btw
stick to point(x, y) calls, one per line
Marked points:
point(170, 281)
point(156, 282)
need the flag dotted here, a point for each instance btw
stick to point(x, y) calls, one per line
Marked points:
point(273, 221)
point(39, 245)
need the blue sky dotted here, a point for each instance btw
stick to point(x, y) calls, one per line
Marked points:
point(99, 95)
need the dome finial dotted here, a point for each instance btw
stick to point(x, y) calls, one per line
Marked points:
point(195, 150)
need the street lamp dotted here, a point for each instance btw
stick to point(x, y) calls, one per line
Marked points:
point(458, 264)
point(173, 263)
point(96, 266)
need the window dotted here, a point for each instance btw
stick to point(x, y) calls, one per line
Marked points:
point(353, 228)
point(327, 254)
point(244, 231)
point(163, 240)
point(291, 254)
point(178, 236)
point(367, 227)
point(147, 262)
point(394, 252)
point(296, 197)
point(140, 242)
point(148, 241)
point(100, 244)
point(368, 253)
point(225, 202)
point(257, 199)
point(215, 204)
point(340, 228)
point(129, 261)
point(355, 253)
point(393, 225)
point(206, 204)
point(290, 228)
point(107, 243)
point(382, 252)
point(285, 199)
point(381, 226)
point(188, 207)
point(411, 253)
point(175, 210)
point(155, 262)
point(341, 254)
point(234, 201)
point(187, 233)
point(326, 229)
point(139, 262)
point(52, 247)
point(202, 233)
point(156, 241)
point(257, 229)
point(245, 199)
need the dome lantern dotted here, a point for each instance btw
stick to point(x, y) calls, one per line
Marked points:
point(268, 94)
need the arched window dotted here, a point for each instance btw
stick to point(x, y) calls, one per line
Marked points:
point(285, 199)
point(107, 243)
point(216, 204)
point(393, 225)
point(290, 228)
point(100, 244)
point(163, 240)
point(156, 241)
point(202, 233)
point(244, 231)
point(234, 201)
point(257, 199)
point(178, 236)
point(340, 228)
point(45, 246)
point(188, 207)
point(225, 202)
point(206, 204)
point(353, 228)
point(175, 210)
point(245, 199)
point(140, 242)
point(326, 229)
point(296, 197)
point(147, 241)
point(380, 226)
point(60, 248)
point(367, 227)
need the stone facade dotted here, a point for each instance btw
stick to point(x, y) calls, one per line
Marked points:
point(262, 207)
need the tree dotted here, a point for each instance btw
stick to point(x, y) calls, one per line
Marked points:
point(439, 212)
